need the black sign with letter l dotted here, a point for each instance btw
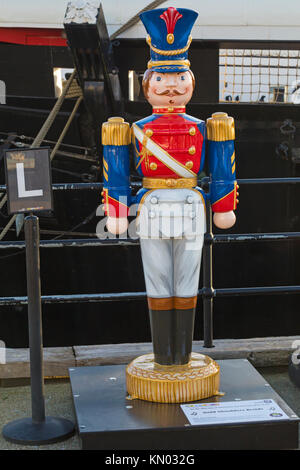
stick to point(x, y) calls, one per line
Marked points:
point(28, 180)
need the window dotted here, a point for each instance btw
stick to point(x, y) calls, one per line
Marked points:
point(60, 76)
point(2, 92)
point(135, 89)
point(259, 75)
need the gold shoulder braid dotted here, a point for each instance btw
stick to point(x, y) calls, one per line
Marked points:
point(220, 127)
point(116, 132)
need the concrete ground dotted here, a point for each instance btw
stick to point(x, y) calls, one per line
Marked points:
point(15, 403)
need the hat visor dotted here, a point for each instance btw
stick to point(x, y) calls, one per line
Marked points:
point(170, 68)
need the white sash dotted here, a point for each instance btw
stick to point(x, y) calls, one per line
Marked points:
point(161, 154)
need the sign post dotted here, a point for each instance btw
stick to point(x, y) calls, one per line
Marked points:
point(28, 182)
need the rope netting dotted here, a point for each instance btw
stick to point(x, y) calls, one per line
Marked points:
point(260, 75)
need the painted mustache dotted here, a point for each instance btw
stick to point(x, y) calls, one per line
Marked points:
point(170, 93)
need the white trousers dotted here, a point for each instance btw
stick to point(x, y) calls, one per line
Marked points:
point(171, 227)
point(171, 266)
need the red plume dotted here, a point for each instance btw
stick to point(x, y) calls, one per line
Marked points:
point(170, 17)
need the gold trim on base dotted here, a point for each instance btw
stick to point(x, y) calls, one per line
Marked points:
point(196, 380)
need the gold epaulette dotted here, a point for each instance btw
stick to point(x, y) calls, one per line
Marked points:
point(220, 127)
point(116, 132)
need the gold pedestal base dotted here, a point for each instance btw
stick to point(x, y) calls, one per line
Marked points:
point(196, 380)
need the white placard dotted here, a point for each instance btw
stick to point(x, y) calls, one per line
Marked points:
point(242, 411)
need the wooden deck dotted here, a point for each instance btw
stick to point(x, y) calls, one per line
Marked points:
point(261, 352)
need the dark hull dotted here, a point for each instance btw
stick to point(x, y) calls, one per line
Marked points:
point(87, 270)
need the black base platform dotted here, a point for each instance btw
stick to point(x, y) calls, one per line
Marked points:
point(107, 420)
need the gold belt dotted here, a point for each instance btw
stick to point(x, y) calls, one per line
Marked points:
point(167, 183)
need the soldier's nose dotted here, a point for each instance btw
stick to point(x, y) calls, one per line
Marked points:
point(171, 81)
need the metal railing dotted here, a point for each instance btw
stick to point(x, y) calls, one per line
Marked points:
point(207, 293)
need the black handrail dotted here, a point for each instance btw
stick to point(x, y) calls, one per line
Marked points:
point(137, 184)
point(208, 293)
point(216, 239)
point(129, 296)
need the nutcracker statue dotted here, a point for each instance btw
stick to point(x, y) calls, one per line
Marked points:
point(169, 149)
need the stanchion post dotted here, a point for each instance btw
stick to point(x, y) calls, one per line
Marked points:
point(38, 429)
point(208, 291)
point(35, 318)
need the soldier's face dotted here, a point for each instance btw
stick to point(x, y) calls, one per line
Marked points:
point(170, 89)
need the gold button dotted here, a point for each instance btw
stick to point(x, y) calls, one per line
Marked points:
point(192, 150)
point(170, 110)
point(170, 38)
point(149, 132)
point(192, 130)
point(189, 165)
point(153, 166)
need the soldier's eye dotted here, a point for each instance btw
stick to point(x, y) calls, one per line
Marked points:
point(158, 79)
point(182, 77)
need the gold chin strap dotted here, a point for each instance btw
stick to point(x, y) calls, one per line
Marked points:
point(169, 52)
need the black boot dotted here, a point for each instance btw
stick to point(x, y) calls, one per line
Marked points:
point(162, 336)
point(183, 335)
point(172, 335)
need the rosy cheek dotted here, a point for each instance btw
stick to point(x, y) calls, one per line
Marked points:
point(151, 89)
point(154, 86)
point(157, 89)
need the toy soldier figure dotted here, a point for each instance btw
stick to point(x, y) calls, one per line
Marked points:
point(169, 150)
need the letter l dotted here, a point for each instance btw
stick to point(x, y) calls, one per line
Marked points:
point(22, 192)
